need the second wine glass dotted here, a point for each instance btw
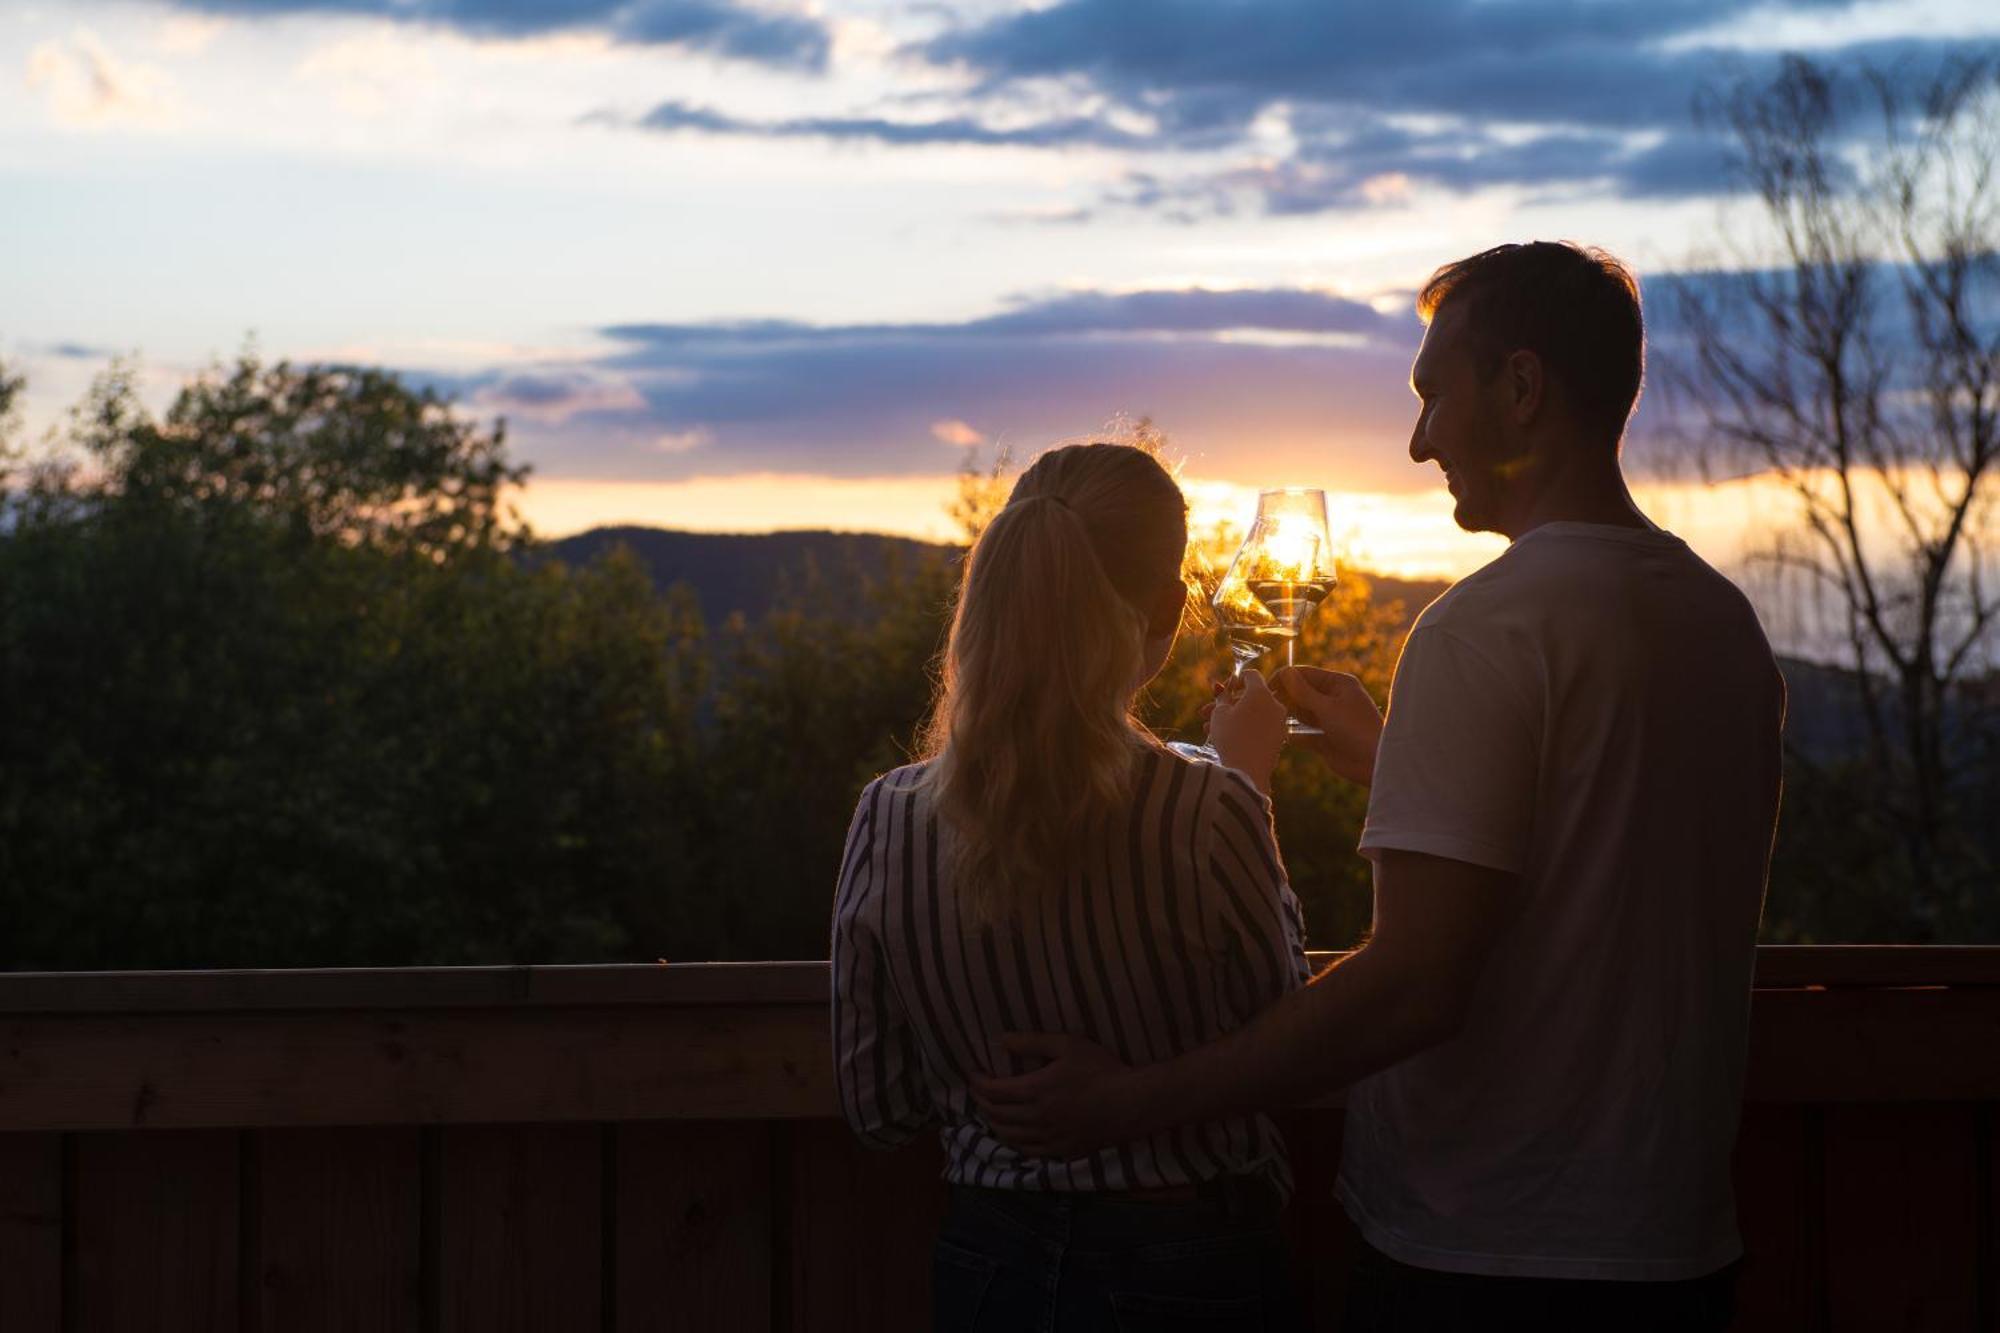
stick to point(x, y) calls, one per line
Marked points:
point(1248, 629)
point(1287, 565)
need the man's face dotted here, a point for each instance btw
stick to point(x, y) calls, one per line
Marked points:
point(1461, 427)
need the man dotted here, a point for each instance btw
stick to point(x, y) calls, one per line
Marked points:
point(1570, 820)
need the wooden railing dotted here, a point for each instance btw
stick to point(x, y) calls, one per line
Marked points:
point(648, 1148)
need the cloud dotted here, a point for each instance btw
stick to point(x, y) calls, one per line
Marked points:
point(75, 351)
point(87, 86)
point(1588, 63)
point(1325, 107)
point(1270, 382)
point(1262, 386)
point(1381, 165)
point(1161, 313)
point(683, 441)
point(672, 116)
point(1376, 102)
point(956, 432)
point(714, 27)
point(554, 396)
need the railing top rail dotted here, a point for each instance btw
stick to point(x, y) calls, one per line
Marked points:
point(749, 984)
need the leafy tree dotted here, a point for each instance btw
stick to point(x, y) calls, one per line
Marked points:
point(282, 694)
point(810, 706)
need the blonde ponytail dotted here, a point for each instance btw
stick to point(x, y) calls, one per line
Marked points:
point(1032, 744)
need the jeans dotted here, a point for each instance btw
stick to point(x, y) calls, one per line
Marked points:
point(1011, 1261)
point(1385, 1296)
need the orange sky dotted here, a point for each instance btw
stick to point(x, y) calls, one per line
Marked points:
point(1407, 533)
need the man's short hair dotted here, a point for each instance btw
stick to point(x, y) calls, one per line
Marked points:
point(1575, 308)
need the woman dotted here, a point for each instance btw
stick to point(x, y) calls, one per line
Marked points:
point(1051, 867)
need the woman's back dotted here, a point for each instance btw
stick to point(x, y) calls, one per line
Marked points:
point(1176, 927)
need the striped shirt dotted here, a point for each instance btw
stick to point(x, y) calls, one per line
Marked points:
point(1179, 928)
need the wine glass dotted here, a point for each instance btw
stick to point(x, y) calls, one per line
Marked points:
point(1287, 564)
point(1250, 630)
point(1281, 572)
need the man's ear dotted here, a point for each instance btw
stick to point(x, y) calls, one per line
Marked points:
point(1527, 385)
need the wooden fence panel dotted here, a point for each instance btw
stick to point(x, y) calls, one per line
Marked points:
point(694, 1215)
point(1779, 1210)
point(1989, 1217)
point(1322, 1239)
point(337, 1223)
point(1902, 1219)
point(31, 1232)
point(156, 1232)
point(858, 1226)
point(520, 1215)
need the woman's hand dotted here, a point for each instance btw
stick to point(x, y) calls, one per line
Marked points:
point(1338, 704)
point(1247, 728)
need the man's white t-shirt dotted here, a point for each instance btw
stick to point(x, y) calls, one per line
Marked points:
point(1598, 711)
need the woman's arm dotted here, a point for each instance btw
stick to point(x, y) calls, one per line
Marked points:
point(875, 1062)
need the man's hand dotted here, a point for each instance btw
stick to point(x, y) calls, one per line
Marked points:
point(1337, 704)
point(1078, 1102)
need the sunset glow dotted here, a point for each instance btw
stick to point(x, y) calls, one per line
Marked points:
point(1408, 535)
point(785, 267)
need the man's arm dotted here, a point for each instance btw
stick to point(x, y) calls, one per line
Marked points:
point(1407, 989)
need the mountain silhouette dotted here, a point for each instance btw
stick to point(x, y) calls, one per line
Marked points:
point(747, 573)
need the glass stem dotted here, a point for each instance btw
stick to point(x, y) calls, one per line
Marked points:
point(1289, 645)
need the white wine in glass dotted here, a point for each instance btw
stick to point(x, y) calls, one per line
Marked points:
point(1281, 572)
point(1249, 629)
point(1287, 564)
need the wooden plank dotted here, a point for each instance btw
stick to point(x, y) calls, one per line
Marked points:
point(694, 1210)
point(31, 1232)
point(1902, 1219)
point(785, 983)
point(521, 1063)
point(1323, 1241)
point(1780, 1212)
point(759, 1062)
point(521, 1248)
point(156, 1233)
point(858, 1227)
point(683, 983)
point(1792, 965)
point(337, 1230)
point(442, 1067)
point(1987, 1120)
point(356, 988)
point(1875, 1046)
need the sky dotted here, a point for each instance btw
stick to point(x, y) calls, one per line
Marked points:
point(743, 266)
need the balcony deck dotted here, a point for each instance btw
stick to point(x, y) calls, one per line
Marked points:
point(654, 1147)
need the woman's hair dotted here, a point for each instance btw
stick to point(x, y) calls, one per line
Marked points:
point(1032, 742)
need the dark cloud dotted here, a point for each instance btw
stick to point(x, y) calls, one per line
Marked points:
point(553, 395)
point(1194, 310)
point(1257, 386)
point(1379, 164)
point(1064, 133)
point(712, 26)
point(1577, 60)
point(1247, 382)
point(1603, 99)
point(847, 407)
point(75, 351)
